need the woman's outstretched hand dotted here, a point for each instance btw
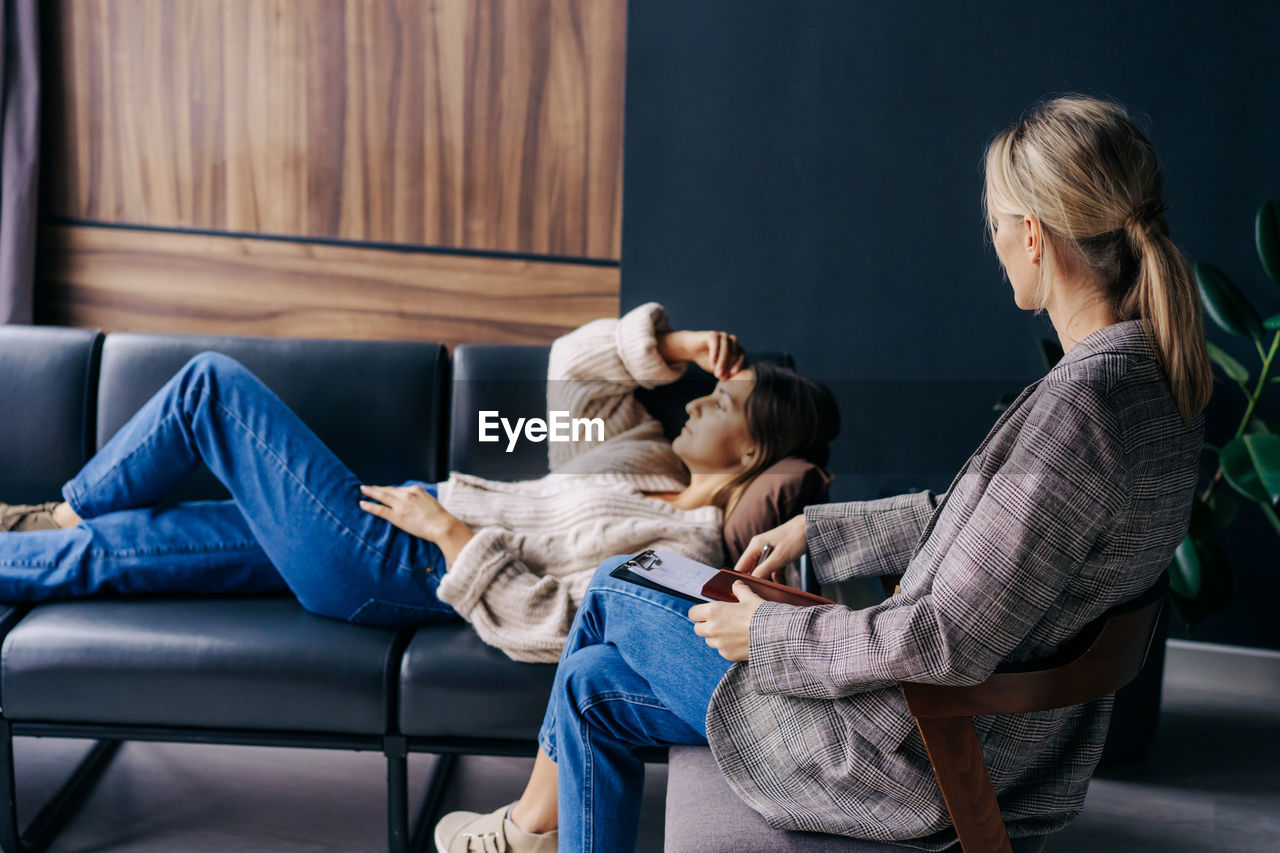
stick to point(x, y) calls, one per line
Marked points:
point(414, 510)
point(718, 353)
point(726, 625)
point(786, 544)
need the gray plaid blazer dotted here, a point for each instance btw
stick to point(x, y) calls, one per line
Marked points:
point(1073, 503)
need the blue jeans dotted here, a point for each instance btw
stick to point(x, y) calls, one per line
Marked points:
point(293, 521)
point(633, 673)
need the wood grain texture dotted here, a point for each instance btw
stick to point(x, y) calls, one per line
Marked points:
point(130, 280)
point(481, 124)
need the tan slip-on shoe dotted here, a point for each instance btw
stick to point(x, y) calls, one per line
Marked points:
point(470, 832)
point(23, 518)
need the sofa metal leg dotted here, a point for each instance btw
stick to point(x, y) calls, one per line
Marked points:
point(60, 808)
point(429, 813)
point(396, 748)
point(10, 831)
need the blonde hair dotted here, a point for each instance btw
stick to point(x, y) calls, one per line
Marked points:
point(1082, 168)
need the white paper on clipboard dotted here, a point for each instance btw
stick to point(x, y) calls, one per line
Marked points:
point(674, 571)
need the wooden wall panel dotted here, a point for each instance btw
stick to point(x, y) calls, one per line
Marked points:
point(492, 125)
point(132, 280)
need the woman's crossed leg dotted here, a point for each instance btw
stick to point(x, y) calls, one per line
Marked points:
point(293, 500)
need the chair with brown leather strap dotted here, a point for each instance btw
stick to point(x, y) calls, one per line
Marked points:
point(704, 814)
point(1104, 657)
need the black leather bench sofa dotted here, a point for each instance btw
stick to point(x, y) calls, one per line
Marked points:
point(261, 670)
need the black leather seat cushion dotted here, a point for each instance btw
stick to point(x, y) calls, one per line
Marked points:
point(47, 377)
point(251, 663)
point(453, 685)
point(378, 405)
point(512, 380)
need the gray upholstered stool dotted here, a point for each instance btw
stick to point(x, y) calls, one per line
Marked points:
point(704, 815)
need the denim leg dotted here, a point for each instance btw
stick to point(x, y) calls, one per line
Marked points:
point(633, 673)
point(299, 500)
point(199, 547)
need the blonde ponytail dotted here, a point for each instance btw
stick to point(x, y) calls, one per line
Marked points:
point(1090, 176)
point(1165, 297)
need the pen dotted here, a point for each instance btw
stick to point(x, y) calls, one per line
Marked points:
point(764, 554)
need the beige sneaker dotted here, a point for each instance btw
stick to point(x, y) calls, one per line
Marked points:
point(19, 518)
point(469, 832)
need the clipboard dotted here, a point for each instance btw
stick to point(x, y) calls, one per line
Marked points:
point(676, 574)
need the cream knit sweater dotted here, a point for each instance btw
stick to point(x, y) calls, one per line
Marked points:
point(538, 542)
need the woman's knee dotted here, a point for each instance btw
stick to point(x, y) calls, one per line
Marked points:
point(603, 579)
point(599, 689)
point(587, 673)
point(604, 572)
point(218, 374)
point(213, 365)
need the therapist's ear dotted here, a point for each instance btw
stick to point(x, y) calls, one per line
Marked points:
point(1033, 239)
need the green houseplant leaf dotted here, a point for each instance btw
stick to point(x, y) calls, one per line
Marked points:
point(1234, 369)
point(1185, 572)
point(1267, 234)
point(1251, 464)
point(1215, 585)
point(1225, 304)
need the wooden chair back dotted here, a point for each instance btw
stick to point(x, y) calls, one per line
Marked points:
point(1102, 658)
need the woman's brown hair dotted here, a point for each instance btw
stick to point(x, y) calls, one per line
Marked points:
point(787, 415)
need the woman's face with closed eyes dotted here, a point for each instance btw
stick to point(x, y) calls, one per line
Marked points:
point(715, 437)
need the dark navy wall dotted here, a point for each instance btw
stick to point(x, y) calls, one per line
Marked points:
point(807, 175)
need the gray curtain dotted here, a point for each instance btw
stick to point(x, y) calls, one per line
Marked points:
point(19, 142)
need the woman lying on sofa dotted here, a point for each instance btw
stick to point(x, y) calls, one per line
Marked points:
point(512, 558)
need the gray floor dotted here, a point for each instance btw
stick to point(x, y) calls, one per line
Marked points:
point(1212, 783)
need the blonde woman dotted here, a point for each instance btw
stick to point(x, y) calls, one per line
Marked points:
point(1075, 502)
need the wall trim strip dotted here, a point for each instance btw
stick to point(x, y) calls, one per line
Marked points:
point(1223, 668)
point(331, 241)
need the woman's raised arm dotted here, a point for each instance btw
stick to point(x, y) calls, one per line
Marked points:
point(594, 371)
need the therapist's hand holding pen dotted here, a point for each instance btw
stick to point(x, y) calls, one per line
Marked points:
point(768, 553)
